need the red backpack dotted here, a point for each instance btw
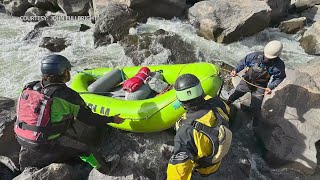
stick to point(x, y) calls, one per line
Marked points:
point(34, 113)
point(133, 84)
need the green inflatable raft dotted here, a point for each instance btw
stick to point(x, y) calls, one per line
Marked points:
point(148, 115)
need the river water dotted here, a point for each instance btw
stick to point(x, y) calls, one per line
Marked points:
point(20, 60)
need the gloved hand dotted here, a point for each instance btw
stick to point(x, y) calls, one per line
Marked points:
point(117, 119)
point(267, 91)
point(233, 73)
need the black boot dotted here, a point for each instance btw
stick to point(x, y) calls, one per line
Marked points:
point(111, 164)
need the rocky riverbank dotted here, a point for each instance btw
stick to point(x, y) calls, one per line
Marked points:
point(285, 145)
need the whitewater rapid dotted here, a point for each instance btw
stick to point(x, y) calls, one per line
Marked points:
point(20, 60)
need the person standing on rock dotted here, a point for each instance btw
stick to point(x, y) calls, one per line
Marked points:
point(259, 68)
point(202, 137)
point(46, 111)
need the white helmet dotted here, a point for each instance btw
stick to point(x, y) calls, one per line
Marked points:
point(273, 49)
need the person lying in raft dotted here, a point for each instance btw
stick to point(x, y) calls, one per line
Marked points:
point(202, 137)
point(46, 110)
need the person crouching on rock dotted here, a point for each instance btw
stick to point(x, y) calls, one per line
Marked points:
point(260, 67)
point(46, 109)
point(202, 137)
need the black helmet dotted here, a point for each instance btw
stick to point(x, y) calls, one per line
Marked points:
point(55, 65)
point(188, 87)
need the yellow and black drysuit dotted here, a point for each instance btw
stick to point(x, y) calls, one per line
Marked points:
point(202, 140)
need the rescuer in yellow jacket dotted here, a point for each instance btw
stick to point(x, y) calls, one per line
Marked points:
point(202, 137)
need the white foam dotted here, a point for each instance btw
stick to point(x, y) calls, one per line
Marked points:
point(19, 61)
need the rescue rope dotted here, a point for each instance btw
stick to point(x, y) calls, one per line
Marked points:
point(244, 99)
point(244, 79)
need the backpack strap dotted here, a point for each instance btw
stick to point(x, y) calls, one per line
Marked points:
point(50, 130)
point(30, 85)
point(49, 89)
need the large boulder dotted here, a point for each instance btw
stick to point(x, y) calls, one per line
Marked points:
point(45, 4)
point(305, 4)
point(37, 30)
point(17, 7)
point(159, 47)
point(293, 25)
point(128, 12)
point(9, 146)
point(146, 8)
point(74, 7)
point(113, 24)
point(34, 11)
point(55, 172)
point(290, 125)
point(54, 44)
point(310, 40)
point(160, 8)
point(228, 21)
point(279, 9)
point(312, 14)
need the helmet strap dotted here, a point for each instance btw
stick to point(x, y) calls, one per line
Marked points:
point(194, 104)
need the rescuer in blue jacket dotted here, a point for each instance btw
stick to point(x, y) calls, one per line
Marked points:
point(259, 67)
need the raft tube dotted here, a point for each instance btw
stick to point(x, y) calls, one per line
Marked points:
point(147, 115)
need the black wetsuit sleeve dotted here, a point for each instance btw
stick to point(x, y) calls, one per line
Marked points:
point(86, 116)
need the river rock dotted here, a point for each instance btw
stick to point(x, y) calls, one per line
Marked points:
point(168, 48)
point(279, 9)
point(290, 125)
point(2, 8)
point(305, 4)
point(228, 21)
point(74, 7)
point(293, 25)
point(108, 29)
point(37, 30)
point(17, 7)
point(55, 171)
point(45, 4)
point(9, 146)
point(160, 8)
point(34, 11)
point(83, 28)
point(146, 8)
point(312, 14)
point(54, 44)
point(192, 1)
point(310, 39)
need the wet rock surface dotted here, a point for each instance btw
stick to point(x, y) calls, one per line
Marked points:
point(227, 21)
point(289, 129)
point(74, 7)
point(305, 4)
point(293, 25)
point(17, 7)
point(279, 10)
point(310, 40)
point(54, 44)
point(145, 47)
point(312, 14)
point(108, 29)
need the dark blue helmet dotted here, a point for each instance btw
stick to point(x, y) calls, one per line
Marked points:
point(55, 65)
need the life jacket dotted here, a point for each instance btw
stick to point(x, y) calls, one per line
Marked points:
point(33, 122)
point(133, 84)
point(219, 135)
point(257, 71)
